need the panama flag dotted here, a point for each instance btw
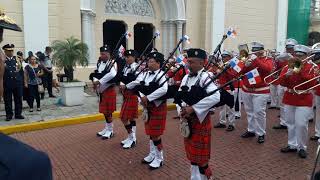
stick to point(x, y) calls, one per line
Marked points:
point(121, 51)
point(253, 76)
point(231, 33)
point(181, 59)
point(157, 34)
point(128, 34)
point(236, 65)
point(186, 39)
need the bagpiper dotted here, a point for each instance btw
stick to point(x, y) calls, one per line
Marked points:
point(106, 70)
point(129, 109)
point(198, 142)
point(155, 110)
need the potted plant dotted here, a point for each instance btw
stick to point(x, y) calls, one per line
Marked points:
point(67, 55)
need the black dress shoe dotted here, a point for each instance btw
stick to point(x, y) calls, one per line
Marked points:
point(287, 150)
point(311, 120)
point(279, 127)
point(248, 134)
point(219, 125)
point(272, 108)
point(8, 118)
point(277, 108)
point(302, 153)
point(230, 128)
point(19, 117)
point(237, 117)
point(314, 138)
point(261, 139)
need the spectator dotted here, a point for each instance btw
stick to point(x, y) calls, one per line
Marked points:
point(48, 73)
point(33, 82)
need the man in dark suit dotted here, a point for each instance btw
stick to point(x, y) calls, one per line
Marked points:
point(13, 83)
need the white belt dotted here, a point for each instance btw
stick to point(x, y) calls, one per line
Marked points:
point(298, 91)
point(255, 89)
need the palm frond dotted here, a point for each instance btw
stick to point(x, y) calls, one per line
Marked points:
point(70, 53)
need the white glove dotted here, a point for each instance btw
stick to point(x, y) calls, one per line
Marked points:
point(248, 62)
point(289, 72)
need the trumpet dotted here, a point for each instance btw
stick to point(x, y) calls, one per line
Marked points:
point(296, 65)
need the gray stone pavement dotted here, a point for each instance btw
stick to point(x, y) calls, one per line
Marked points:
point(52, 109)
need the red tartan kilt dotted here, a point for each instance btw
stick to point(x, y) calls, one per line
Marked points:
point(129, 109)
point(107, 104)
point(198, 145)
point(157, 119)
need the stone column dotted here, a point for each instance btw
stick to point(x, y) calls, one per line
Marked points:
point(35, 39)
point(179, 24)
point(171, 36)
point(217, 28)
point(130, 41)
point(87, 29)
point(282, 21)
point(164, 37)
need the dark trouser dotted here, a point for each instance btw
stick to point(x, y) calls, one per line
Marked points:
point(17, 96)
point(33, 94)
point(48, 82)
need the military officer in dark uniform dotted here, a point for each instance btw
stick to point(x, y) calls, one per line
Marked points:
point(13, 83)
point(19, 160)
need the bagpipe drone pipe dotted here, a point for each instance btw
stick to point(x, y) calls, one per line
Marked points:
point(155, 83)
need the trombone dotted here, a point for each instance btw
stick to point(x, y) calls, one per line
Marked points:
point(306, 82)
point(296, 68)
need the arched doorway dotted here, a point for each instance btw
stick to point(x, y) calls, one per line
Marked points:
point(112, 31)
point(143, 34)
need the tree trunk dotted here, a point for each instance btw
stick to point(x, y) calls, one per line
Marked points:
point(68, 71)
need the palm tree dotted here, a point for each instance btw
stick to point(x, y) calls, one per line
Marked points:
point(70, 53)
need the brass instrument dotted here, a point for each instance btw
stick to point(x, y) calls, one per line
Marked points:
point(309, 89)
point(297, 66)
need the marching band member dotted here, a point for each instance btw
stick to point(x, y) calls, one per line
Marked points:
point(297, 105)
point(255, 96)
point(274, 96)
point(107, 91)
point(317, 100)
point(282, 60)
point(129, 109)
point(155, 121)
point(197, 145)
point(227, 114)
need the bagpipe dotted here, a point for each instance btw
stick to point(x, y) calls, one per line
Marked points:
point(132, 75)
point(155, 83)
point(97, 75)
point(197, 93)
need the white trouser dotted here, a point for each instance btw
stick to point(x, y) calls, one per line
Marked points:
point(281, 91)
point(317, 128)
point(255, 107)
point(311, 112)
point(297, 122)
point(274, 95)
point(226, 110)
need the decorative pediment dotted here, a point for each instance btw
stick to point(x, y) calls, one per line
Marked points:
point(130, 7)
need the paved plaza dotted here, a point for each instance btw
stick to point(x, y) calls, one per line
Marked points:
point(76, 153)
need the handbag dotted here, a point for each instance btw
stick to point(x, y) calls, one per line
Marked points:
point(40, 85)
